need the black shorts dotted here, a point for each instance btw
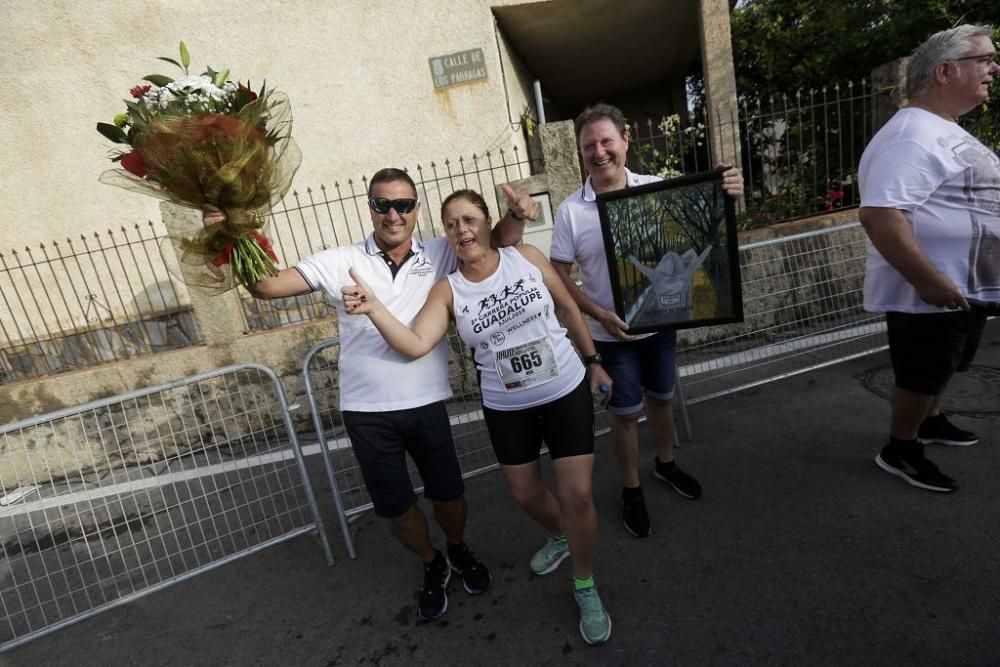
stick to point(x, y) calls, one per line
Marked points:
point(565, 424)
point(928, 348)
point(380, 441)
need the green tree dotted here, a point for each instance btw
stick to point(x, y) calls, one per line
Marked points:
point(780, 46)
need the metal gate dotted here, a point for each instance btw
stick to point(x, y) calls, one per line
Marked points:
point(111, 500)
point(803, 310)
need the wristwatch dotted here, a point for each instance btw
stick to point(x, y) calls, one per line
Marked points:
point(595, 358)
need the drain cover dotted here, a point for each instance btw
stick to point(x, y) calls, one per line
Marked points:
point(974, 393)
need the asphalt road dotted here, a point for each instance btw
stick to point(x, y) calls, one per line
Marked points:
point(801, 551)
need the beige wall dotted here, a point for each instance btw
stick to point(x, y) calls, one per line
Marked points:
point(356, 72)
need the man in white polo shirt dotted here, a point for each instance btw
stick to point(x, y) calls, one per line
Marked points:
point(392, 405)
point(642, 367)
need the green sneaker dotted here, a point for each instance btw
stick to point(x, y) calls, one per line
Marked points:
point(595, 622)
point(547, 559)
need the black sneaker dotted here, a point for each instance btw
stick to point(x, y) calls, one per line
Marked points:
point(634, 513)
point(937, 430)
point(684, 484)
point(475, 577)
point(433, 601)
point(908, 462)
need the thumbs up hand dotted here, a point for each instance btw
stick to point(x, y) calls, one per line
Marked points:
point(521, 206)
point(358, 299)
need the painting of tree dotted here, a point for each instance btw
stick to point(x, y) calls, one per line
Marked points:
point(672, 253)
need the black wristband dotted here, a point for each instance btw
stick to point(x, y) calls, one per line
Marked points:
point(519, 218)
point(595, 358)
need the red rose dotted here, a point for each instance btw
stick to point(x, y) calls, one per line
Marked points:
point(139, 91)
point(133, 163)
point(250, 95)
point(224, 256)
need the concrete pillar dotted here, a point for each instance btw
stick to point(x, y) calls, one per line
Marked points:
point(562, 162)
point(888, 91)
point(720, 81)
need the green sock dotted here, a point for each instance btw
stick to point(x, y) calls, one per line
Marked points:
point(580, 584)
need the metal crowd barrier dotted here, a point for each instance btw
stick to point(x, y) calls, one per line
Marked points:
point(803, 310)
point(321, 374)
point(117, 498)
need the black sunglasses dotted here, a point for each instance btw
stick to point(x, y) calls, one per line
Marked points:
point(382, 205)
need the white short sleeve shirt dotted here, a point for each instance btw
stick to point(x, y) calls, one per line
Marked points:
point(577, 237)
point(947, 185)
point(373, 376)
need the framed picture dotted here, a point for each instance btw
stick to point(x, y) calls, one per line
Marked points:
point(672, 253)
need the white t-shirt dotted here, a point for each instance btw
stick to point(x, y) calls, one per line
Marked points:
point(576, 236)
point(947, 184)
point(373, 376)
point(509, 321)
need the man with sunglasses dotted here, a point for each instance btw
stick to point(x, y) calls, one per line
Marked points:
point(930, 204)
point(392, 405)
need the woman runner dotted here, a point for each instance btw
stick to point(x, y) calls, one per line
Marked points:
point(534, 387)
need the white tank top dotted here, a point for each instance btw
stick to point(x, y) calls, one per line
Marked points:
point(521, 351)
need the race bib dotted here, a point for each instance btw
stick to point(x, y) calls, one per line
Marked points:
point(526, 365)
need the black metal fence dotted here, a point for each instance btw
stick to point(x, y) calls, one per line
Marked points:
point(76, 303)
point(308, 222)
point(799, 152)
point(80, 302)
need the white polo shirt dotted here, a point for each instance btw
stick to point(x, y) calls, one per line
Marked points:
point(577, 237)
point(373, 376)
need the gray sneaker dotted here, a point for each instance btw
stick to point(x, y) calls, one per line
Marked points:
point(595, 623)
point(548, 558)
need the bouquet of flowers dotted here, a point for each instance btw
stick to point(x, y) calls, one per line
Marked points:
point(209, 143)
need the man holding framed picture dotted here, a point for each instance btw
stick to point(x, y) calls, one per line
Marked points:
point(642, 367)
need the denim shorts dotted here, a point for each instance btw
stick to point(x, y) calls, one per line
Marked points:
point(640, 366)
point(926, 349)
point(381, 440)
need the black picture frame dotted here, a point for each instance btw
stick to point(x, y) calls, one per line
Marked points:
point(672, 253)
